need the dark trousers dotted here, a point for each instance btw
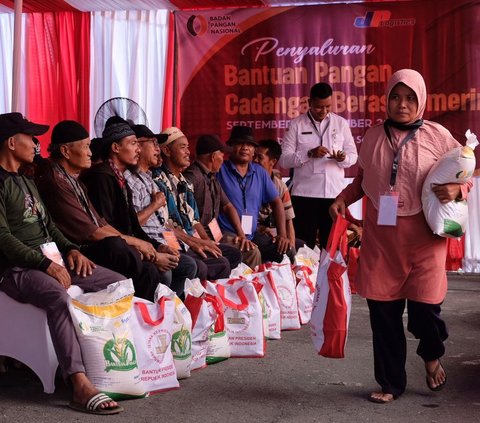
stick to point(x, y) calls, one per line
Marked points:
point(187, 268)
point(212, 268)
point(114, 253)
point(389, 342)
point(36, 287)
point(268, 248)
point(311, 216)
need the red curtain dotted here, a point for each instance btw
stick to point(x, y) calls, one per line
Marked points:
point(58, 68)
point(170, 96)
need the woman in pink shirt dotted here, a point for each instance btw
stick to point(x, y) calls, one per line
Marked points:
point(402, 261)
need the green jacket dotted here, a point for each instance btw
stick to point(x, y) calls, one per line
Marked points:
point(21, 229)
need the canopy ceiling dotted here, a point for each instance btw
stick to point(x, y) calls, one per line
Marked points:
point(99, 5)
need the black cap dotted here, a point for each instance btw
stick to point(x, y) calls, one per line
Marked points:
point(143, 131)
point(208, 144)
point(68, 131)
point(242, 134)
point(15, 123)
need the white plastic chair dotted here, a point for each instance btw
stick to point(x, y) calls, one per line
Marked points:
point(25, 336)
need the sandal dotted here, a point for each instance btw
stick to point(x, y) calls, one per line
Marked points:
point(433, 375)
point(93, 405)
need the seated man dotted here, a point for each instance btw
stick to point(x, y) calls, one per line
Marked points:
point(73, 213)
point(248, 186)
point(215, 261)
point(149, 203)
point(211, 199)
point(30, 274)
point(267, 155)
point(112, 198)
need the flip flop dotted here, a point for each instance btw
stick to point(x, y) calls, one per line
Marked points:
point(93, 405)
point(371, 398)
point(433, 375)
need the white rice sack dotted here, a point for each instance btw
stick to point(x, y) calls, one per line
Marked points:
point(102, 324)
point(152, 325)
point(455, 166)
point(182, 332)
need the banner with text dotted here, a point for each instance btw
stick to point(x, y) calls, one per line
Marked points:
point(255, 67)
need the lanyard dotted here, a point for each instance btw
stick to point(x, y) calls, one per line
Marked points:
point(393, 173)
point(79, 193)
point(36, 210)
point(320, 134)
point(242, 183)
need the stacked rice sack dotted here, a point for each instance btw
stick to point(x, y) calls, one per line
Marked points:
point(455, 166)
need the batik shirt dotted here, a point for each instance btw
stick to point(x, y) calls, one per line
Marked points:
point(182, 208)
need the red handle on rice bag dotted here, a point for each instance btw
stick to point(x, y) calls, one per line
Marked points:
point(194, 304)
point(146, 314)
point(241, 295)
point(307, 272)
point(337, 239)
point(257, 285)
point(217, 305)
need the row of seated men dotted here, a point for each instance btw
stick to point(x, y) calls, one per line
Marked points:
point(133, 214)
point(186, 220)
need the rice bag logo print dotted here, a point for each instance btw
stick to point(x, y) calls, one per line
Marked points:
point(157, 345)
point(119, 354)
point(265, 309)
point(181, 344)
point(238, 322)
point(285, 297)
point(212, 334)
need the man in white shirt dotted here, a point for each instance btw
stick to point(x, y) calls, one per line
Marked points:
point(319, 146)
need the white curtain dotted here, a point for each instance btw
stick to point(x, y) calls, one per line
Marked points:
point(471, 259)
point(128, 55)
point(6, 63)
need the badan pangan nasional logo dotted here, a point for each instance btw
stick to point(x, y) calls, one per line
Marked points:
point(381, 18)
point(198, 25)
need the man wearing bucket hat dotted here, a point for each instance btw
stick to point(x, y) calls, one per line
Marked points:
point(112, 198)
point(211, 199)
point(248, 186)
point(214, 260)
point(38, 264)
point(72, 211)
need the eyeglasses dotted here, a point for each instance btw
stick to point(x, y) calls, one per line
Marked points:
point(155, 142)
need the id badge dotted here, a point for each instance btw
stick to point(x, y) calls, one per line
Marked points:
point(50, 250)
point(387, 211)
point(247, 223)
point(172, 240)
point(215, 230)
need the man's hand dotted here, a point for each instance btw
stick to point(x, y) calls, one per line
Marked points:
point(339, 155)
point(79, 264)
point(337, 208)
point(165, 261)
point(245, 243)
point(146, 249)
point(446, 192)
point(283, 244)
point(158, 199)
point(318, 152)
point(203, 246)
point(163, 248)
point(60, 274)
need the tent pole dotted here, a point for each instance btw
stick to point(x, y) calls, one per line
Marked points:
point(17, 55)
